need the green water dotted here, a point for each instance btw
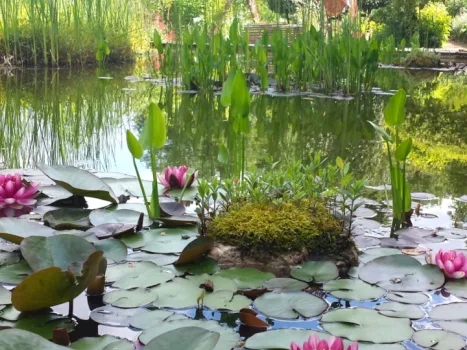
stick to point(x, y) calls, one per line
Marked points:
point(72, 117)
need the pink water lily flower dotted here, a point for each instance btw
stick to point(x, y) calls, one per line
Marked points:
point(177, 177)
point(16, 192)
point(453, 264)
point(332, 343)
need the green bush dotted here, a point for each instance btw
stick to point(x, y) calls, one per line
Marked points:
point(459, 28)
point(455, 7)
point(434, 25)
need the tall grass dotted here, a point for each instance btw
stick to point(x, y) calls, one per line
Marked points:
point(57, 32)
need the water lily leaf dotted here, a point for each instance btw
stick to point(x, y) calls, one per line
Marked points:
point(143, 238)
point(53, 194)
point(187, 338)
point(206, 265)
point(170, 295)
point(54, 285)
point(422, 196)
point(123, 216)
point(149, 319)
point(68, 218)
point(189, 194)
point(195, 250)
point(8, 258)
point(130, 298)
point(172, 208)
point(246, 277)
point(113, 249)
point(168, 245)
point(5, 296)
point(9, 313)
point(366, 325)
point(315, 271)
point(104, 342)
point(394, 309)
point(438, 339)
point(456, 287)
point(16, 339)
point(129, 187)
point(226, 300)
point(408, 298)
point(15, 230)
point(366, 224)
point(14, 273)
point(158, 259)
point(402, 273)
point(115, 272)
point(285, 284)
point(366, 213)
point(43, 324)
point(115, 316)
point(452, 233)
point(60, 251)
point(112, 230)
point(450, 317)
point(228, 337)
point(249, 318)
point(290, 305)
point(177, 221)
point(149, 278)
point(353, 290)
point(373, 253)
point(79, 182)
point(366, 241)
point(219, 282)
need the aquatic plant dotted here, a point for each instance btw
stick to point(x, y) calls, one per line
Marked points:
point(314, 343)
point(453, 264)
point(177, 177)
point(16, 192)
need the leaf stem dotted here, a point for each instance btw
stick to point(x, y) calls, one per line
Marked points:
point(146, 203)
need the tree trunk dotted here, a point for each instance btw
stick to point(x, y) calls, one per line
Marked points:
point(254, 10)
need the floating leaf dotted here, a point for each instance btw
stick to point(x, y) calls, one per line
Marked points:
point(246, 277)
point(285, 284)
point(130, 298)
point(315, 271)
point(366, 325)
point(79, 182)
point(123, 216)
point(43, 324)
point(353, 290)
point(422, 196)
point(438, 339)
point(15, 230)
point(104, 342)
point(187, 338)
point(115, 316)
point(68, 219)
point(145, 237)
point(248, 318)
point(149, 319)
point(207, 265)
point(9, 313)
point(16, 339)
point(290, 305)
point(450, 317)
point(5, 296)
point(178, 294)
point(112, 230)
point(373, 253)
point(8, 258)
point(172, 208)
point(226, 300)
point(14, 273)
point(113, 249)
point(115, 272)
point(158, 259)
point(408, 298)
point(149, 278)
point(394, 309)
point(195, 250)
point(457, 288)
point(189, 195)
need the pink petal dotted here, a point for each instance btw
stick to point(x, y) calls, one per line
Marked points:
point(20, 192)
point(458, 263)
point(31, 190)
point(353, 346)
point(457, 274)
point(440, 263)
point(10, 200)
point(452, 254)
point(323, 345)
point(449, 267)
point(294, 346)
point(26, 201)
point(9, 188)
point(313, 340)
point(336, 343)
point(163, 181)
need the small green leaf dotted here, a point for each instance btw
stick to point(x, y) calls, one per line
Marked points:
point(340, 163)
point(133, 145)
point(380, 131)
point(394, 113)
point(240, 100)
point(157, 40)
point(404, 149)
point(227, 89)
point(223, 156)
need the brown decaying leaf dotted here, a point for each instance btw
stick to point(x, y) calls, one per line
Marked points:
point(208, 286)
point(249, 319)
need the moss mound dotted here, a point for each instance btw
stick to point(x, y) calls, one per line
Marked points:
point(279, 228)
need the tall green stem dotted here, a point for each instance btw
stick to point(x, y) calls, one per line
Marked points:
point(155, 208)
point(146, 202)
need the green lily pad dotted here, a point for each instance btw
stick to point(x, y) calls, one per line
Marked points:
point(149, 319)
point(5, 296)
point(142, 238)
point(14, 273)
point(402, 273)
point(246, 277)
point(158, 259)
point(189, 194)
point(394, 309)
point(80, 182)
point(113, 249)
point(178, 294)
point(373, 253)
point(16, 339)
point(219, 282)
point(128, 186)
point(130, 298)
point(315, 271)
point(457, 288)
point(450, 317)
point(123, 216)
point(114, 316)
point(195, 250)
point(187, 338)
point(206, 265)
point(149, 278)
point(168, 245)
point(9, 313)
point(226, 300)
point(55, 285)
point(285, 284)
point(68, 218)
point(43, 324)
point(8, 258)
point(60, 251)
point(366, 325)
point(15, 230)
point(290, 305)
point(438, 339)
point(104, 342)
point(408, 298)
point(228, 337)
point(105, 231)
point(54, 194)
point(353, 290)
point(115, 272)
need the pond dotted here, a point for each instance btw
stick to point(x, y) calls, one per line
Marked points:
point(78, 118)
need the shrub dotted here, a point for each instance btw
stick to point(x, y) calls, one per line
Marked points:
point(290, 226)
point(422, 58)
point(455, 7)
point(459, 28)
point(434, 25)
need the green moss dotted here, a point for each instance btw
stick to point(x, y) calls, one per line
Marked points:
point(278, 228)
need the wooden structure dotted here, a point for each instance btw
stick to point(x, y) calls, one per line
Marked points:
point(255, 31)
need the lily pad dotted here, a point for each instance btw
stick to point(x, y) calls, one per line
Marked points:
point(168, 245)
point(373, 253)
point(366, 213)
point(149, 319)
point(122, 216)
point(8, 258)
point(438, 339)
point(206, 265)
point(452, 233)
point(16, 339)
point(14, 273)
point(113, 249)
point(143, 238)
point(54, 194)
point(422, 196)
point(115, 272)
point(127, 186)
point(9, 313)
point(353, 290)
point(246, 277)
point(158, 259)
point(366, 224)
point(226, 300)
point(187, 338)
point(172, 208)
point(450, 317)
point(195, 250)
point(60, 251)
point(402, 273)
point(130, 298)
point(366, 325)
point(43, 324)
point(178, 294)
point(285, 284)
point(105, 231)
point(189, 194)
point(68, 218)
point(394, 309)
point(290, 305)
point(15, 230)
point(366, 241)
point(80, 182)
point(315, 271)
point(5, 296)
point(149, 278)
point(408, 298)
point(104, 342)
point(457, 288)
point(219, 282)
point(114, 316)
point(177, 221)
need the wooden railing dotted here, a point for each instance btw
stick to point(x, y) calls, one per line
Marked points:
point(255, 31)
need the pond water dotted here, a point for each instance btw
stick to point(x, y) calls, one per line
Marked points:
point(75, 118)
